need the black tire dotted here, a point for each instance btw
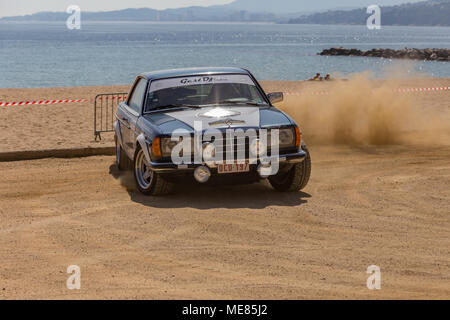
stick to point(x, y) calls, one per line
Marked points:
point(295, 179)
point(155, 185)
point(122, 160)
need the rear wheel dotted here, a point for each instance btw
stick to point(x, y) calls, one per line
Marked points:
point(149, 182)
point(296, 178)
point(122, 160)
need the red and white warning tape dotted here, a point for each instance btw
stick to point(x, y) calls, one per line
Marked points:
point(313, 93)
point(42, 102)
point(422, 89)
point(308, 93)
point(112, 98)
point(400, 90)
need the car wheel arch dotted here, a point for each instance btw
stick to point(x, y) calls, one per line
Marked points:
point(118, 133)
point(141, 141)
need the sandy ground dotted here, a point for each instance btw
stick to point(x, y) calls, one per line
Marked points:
point(58, 126)
point(65, 126)
point(386, 206)
point(372, 200)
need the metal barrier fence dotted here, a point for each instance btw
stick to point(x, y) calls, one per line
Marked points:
point(104, 112)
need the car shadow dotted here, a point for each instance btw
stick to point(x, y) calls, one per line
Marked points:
point(188, 195)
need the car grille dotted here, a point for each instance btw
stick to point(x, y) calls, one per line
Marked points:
point(238, 150)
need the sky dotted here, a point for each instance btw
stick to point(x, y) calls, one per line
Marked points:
point(22, 7)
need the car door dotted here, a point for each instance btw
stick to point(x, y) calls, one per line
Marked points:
point(131, 112)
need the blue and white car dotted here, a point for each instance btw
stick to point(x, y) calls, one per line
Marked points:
point(207, 124)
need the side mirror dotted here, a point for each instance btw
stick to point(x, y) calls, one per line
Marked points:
point(275, 97)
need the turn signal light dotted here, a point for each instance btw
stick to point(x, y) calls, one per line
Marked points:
point(156, 148)
point(298, 137)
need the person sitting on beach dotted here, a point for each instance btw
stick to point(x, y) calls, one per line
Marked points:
point(327, 77)
point(316, 78)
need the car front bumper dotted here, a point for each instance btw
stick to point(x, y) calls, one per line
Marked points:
point(169, 167)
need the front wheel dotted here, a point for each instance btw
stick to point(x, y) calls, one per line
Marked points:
point(148, 182)
point(295, 179)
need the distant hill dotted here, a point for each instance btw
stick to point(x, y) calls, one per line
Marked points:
point(146, 14)
point(304, 6)
point(237, 11)
point(425, 13)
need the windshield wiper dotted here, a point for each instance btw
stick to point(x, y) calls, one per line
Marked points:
point(169, 106)
point(248, 103)
point(255, 104)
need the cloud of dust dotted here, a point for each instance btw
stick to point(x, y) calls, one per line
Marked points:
point(127, 181)
point(126, 178)
point(362, 111)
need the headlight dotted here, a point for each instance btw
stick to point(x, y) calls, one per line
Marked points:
point(287, 138)
point(167, 146)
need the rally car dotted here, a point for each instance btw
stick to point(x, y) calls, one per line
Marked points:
point(207, 124)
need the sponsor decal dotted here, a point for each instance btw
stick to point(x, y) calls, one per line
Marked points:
point(196, 80)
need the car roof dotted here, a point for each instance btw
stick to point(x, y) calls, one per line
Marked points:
point(172, 73)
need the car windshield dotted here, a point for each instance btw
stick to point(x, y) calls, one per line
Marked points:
point(203, 90)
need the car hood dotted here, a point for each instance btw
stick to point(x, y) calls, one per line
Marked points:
point(222, 117)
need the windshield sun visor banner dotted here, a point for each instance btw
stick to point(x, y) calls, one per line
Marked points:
point(199, 80)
